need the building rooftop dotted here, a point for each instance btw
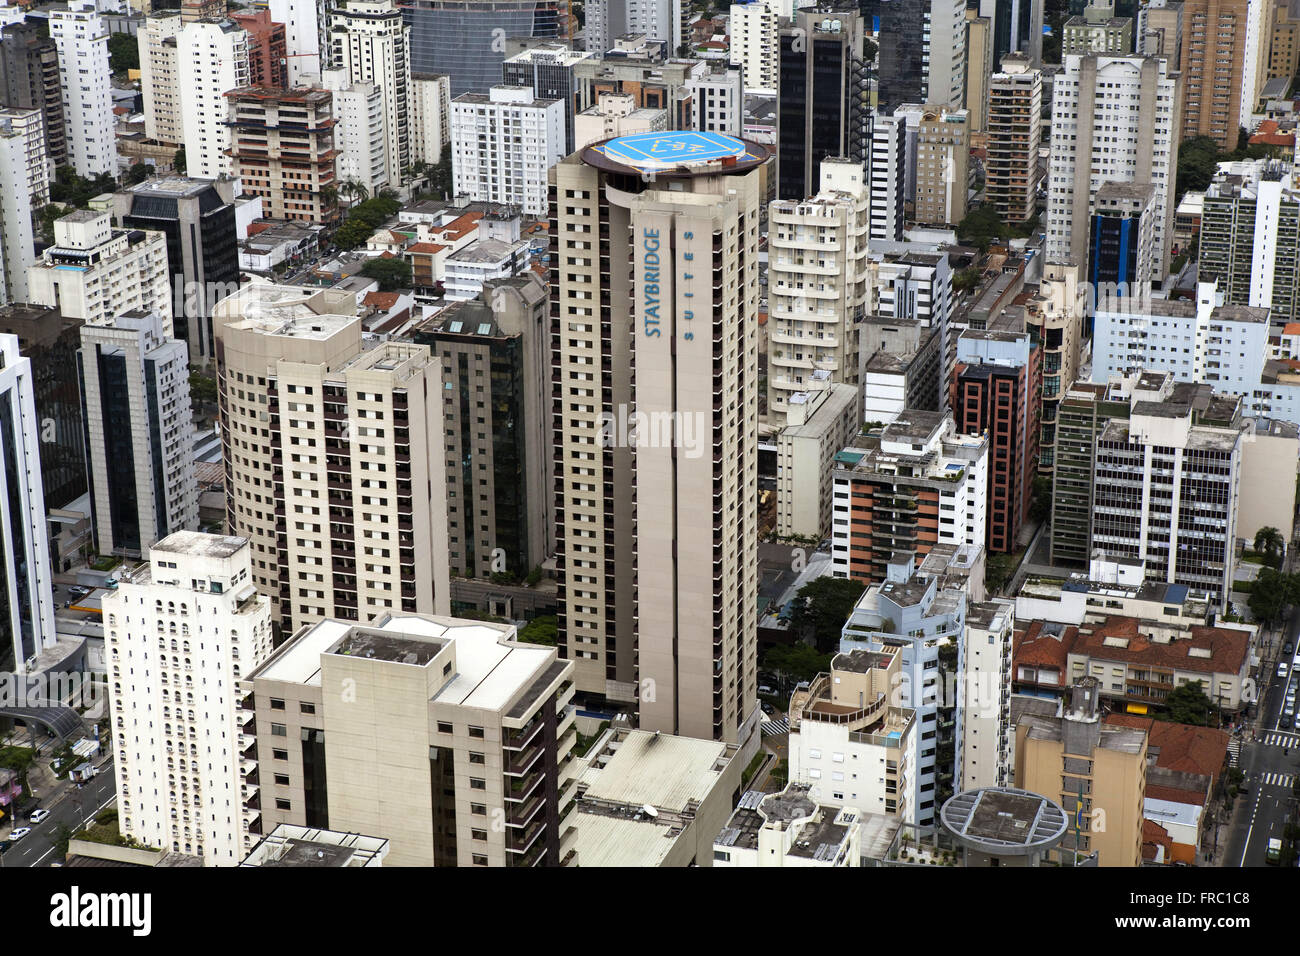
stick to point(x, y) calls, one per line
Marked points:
point(198, 544)
point(1003, 820)
point(676, 154)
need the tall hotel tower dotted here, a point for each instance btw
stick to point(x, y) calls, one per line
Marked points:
point(655, 341)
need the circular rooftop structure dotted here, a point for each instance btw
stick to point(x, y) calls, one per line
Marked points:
point(677, 154)
point(1004, 821)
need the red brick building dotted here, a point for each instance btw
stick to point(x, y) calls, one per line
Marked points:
point(267, 52)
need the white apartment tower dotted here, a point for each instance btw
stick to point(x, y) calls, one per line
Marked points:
point(160, 79)
point(212, 57)
point(1114, 119)
point(943, 51)
point(26, 602)
point(502, 145)
point(139, 434)
point(24, 173)
point(95, 273)
point(755, 43)
point(818, 285)
point(302, 39)
point(81, 37)
point(334, 457)
point(179, 634)
point(656, 523)
point(430, 117)
point(359, 131)
point(607, 20)
point(370, 41)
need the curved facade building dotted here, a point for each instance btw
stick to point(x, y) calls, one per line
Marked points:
point(466, 39)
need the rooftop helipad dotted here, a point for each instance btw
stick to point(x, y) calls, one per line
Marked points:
point(682, 152)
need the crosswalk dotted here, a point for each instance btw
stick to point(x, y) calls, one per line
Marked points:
point(1284, 780)
point(773, 728)
point(1234, 751)
point(1280, 740)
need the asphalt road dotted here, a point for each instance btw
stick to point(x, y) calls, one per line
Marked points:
point(71, 807)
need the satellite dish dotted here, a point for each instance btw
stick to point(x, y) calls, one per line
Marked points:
point(649, 811)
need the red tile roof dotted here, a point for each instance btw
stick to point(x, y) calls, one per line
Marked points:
point(1036, 649)
point(1182, 747)
point(381, 300)
point(1222, 651)
point(1153, 837)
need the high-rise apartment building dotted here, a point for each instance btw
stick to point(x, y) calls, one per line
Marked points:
point(282, 149)
point(1214, 52)
point(22, 169)
point(823, 108)
point(304, 26)
point(995, 392)
point(818, 285)
point(267, 48)
point(139, 433)
point(502, 144)
point(656, 474)
point(641, 70)
point(1121, 241)
point(1015, 116)
point(918, 286)
point(29, 72)
point(1114, 119)
point(359, 138)
point(430, 117)
point(197, 217)
point(922, 47)
point(1250, 237)
point(496, 354)
point(160, 73)
point(446, 735)
point(82, 40)
point(755, 43)
point(1098, 30)
point(26, 585)
point(607, 20)
point(1056, 317)
point(1284, 43)
point(179, 634)
point(718, 100)
point(979, 67)
point(942, 166)
point(212, 59)
point(334, 457)
point(914, 484)
point(369, 41)
point(888, 194)
point(94, 272)
point(1160, 29)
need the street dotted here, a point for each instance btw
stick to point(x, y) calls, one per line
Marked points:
point(71, 807)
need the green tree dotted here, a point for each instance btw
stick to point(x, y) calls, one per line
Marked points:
point(981, 228)
point(1270, 594)
point(392, 274)
point(123, 52)
point(1198, 158)
point(967, 280)
point(1040, 508)
point(440, 176)
point(202, 388)
point(797, 661)
point(1270, 543)
point(1188, 704)
point(821, 608)
point(352, 233)
point(180, 162)
point(138, 173)
point(540, 630)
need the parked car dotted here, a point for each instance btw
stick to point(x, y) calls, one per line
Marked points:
point(38, 815)
point(1287, 648)
point(768, 708)
point(19, 833)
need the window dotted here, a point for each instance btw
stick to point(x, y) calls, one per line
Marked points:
point(480, 860)
point(478, 809)
point(282, 804)
point(306, 708)
point(476, 783)
point(444, 728)
point(476, 732)
point(476, 758)
point(478, 834)
point(282, 779)
point(277, 704)
point(278, 730)
point(280, 754)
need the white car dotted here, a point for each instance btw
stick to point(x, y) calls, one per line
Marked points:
point(39, 815)
point(19, 833)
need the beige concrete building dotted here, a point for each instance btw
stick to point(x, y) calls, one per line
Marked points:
point(334, 457)
point(179, 632)
point(942, 166)
point(1079, 762)
point(445, 737)
point(658, 475)
point(615, 114)
point(1284, 44)
point(820, 423)
point(690, 785)
point(1015, 117)
point(818, 285)
point(979, 67)
point(160, 79)
point(1269, 450)
point(1162, 30)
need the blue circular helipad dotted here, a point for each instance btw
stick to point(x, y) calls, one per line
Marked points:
point(649, 151)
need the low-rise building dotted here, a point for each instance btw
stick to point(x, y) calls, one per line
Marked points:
point(789, 828)
point(819, 423)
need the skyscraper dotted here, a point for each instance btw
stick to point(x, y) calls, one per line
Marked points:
point(26, 603)
point(824, 107)
point(29, 70)
point(655, 269)
point(212, 58)
point(371, 43)
point(82, 41)
point(1015, 108)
